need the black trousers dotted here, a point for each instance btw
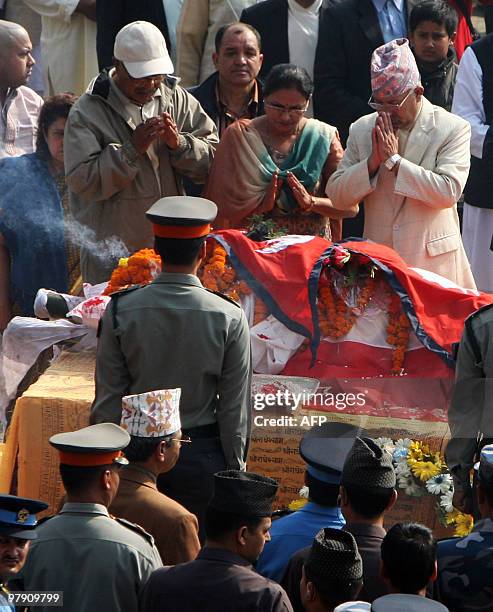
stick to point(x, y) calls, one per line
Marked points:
point(191, 481)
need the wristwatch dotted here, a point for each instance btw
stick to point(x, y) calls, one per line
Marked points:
point(392, 161)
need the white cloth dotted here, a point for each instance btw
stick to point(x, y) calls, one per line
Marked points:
point(303, 37)
point(468, 100)
point(477, 236)
point(68, 46)
point(303, 34)
point(172, 10)
point(273, 344)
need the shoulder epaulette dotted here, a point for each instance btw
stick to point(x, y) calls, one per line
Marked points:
point(225, 297)
point(137, 528)
point(126, 290)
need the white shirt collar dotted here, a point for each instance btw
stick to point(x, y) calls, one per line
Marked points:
point(314, 8)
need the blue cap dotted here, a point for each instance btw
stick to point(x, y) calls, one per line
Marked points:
point(18, 516)
point(484, 466)
point(325, 447)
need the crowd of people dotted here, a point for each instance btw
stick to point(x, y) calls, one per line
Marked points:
point(287, 111)
point(325, 117)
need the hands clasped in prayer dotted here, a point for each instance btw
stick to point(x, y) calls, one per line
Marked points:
point(303, 198)
point(161, 127)
point(385, 143)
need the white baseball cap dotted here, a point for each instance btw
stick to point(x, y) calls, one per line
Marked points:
point(142, 49)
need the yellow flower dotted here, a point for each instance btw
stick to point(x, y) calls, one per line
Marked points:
point(123, 262)
point(451, 516)
point(297, 504)
point(415, 451)
point(424, 470)
point(463, 524)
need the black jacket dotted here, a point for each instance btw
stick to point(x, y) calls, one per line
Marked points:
point(439, 83)
point(270, 19)
point(349, 33)
point(112, 15)
point(217, 581)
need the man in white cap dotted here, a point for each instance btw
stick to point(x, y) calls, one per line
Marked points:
point(96, 561)
point(128, 142)
point(153, 421)
point(409, 162)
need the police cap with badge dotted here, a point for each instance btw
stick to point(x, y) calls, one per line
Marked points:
point(325, 447)
point(182, 217)
point(484, 467)
point(18, 516)
point(92, 446)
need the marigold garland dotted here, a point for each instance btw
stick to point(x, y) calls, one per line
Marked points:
point(140, 268)
point(336, 318)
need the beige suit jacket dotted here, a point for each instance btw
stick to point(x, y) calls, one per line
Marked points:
point(199, 22)
point(415, 211)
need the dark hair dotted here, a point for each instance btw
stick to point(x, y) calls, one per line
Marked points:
point(437, 11)
point(288, 76)
point(322, 493)
point(178, 252)
point(370, 502)
point(487, 488)
point(334, 592)
point(55, 107)
point(142, 449)
point(219, 524)
point(409, 554)
point(77, 479)
point(239, 27)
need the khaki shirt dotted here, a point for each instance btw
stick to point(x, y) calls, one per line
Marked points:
point(174, 333)
point(98, 562)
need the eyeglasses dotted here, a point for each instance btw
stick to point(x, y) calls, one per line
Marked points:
point(390, 107)
point(293, 111)
point(179, 440)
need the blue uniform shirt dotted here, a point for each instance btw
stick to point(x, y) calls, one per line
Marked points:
point(292, 532)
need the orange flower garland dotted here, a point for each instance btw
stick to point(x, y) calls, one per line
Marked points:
point(140, 268)
point(398, 330)
point(336, 318)
point(217, 275)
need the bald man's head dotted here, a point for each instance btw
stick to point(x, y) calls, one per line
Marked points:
point(16, 61)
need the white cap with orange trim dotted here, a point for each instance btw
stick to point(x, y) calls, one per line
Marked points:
point(182, 217)
point(100, 444)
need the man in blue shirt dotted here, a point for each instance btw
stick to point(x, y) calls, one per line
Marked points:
point(17, 529)
point(324, 448)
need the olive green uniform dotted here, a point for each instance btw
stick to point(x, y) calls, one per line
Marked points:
point(100, 563)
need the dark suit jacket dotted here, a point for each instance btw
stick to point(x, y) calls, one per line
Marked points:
point(217, 581)
point(349, 33)
point(270, 19)
point(112, 15)
point(369, 539)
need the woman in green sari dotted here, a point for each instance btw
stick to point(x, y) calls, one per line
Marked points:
point(277, 165)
